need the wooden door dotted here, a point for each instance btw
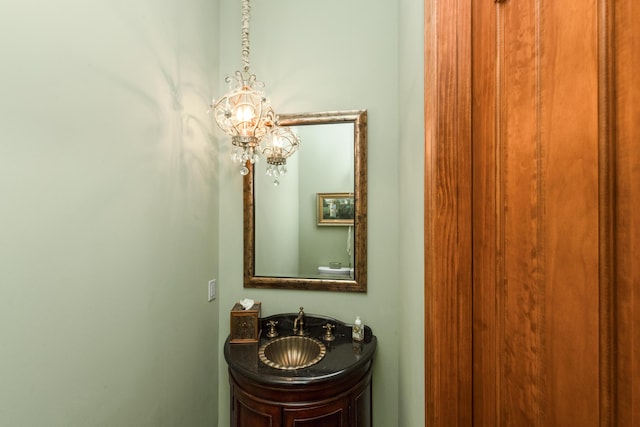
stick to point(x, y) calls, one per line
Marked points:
point(532, 192)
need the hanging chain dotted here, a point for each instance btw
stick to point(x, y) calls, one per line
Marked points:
point(246, 11)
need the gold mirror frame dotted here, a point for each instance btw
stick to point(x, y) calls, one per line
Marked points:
point(359, 281)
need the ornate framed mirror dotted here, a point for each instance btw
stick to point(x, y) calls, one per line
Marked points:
point(310, 230)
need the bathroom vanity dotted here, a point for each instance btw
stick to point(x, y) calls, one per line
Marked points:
point(335, 391)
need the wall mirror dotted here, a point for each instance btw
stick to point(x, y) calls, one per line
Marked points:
point(310, 230)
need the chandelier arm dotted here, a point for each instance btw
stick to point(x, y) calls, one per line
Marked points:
point(246, 11)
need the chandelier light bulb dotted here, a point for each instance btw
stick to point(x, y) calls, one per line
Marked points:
point(244, 114)
point(277, 143)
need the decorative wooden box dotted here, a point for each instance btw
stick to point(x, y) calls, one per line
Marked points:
point(245, 324)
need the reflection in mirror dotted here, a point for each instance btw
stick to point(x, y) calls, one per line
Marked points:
point(309, 231)
point(288, 240)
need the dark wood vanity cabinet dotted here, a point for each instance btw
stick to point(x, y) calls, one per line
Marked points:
point(343, 402)
point(333, 392)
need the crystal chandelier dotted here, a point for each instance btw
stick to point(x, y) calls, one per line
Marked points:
point(246, 115)
point(279, 144)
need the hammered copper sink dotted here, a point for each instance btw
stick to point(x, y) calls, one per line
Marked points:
point(292, 352)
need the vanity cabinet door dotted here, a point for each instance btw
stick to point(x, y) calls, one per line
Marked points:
point(342, 402)
point(334, 414)
point(248, 412)
point(361, 407)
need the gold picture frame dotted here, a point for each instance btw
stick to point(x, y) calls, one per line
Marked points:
point(335, 209)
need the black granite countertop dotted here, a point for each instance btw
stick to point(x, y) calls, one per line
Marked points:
point(343, 355)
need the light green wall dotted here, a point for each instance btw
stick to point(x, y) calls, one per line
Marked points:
point(336, 55)
point(117, 209)
point(108, 217)
point(411, 395)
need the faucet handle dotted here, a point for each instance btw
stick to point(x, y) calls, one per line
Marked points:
point(272, 333)
point(328, 336)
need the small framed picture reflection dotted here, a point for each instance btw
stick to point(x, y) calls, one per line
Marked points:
point(336, 209)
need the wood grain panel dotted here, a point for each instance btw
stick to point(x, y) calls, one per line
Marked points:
point(487, 336)
point(569, 131)
point(448, 213)
point(522, 276)
point(607, 210)
point(626, 99)
point(555, 228)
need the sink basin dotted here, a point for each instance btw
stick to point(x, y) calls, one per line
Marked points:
point(293, 352)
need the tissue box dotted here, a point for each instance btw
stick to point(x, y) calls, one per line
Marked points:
point(245, 324)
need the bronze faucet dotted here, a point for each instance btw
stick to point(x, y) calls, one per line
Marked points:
point(298, 324)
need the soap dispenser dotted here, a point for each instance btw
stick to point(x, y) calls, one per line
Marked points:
point(357, 332)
